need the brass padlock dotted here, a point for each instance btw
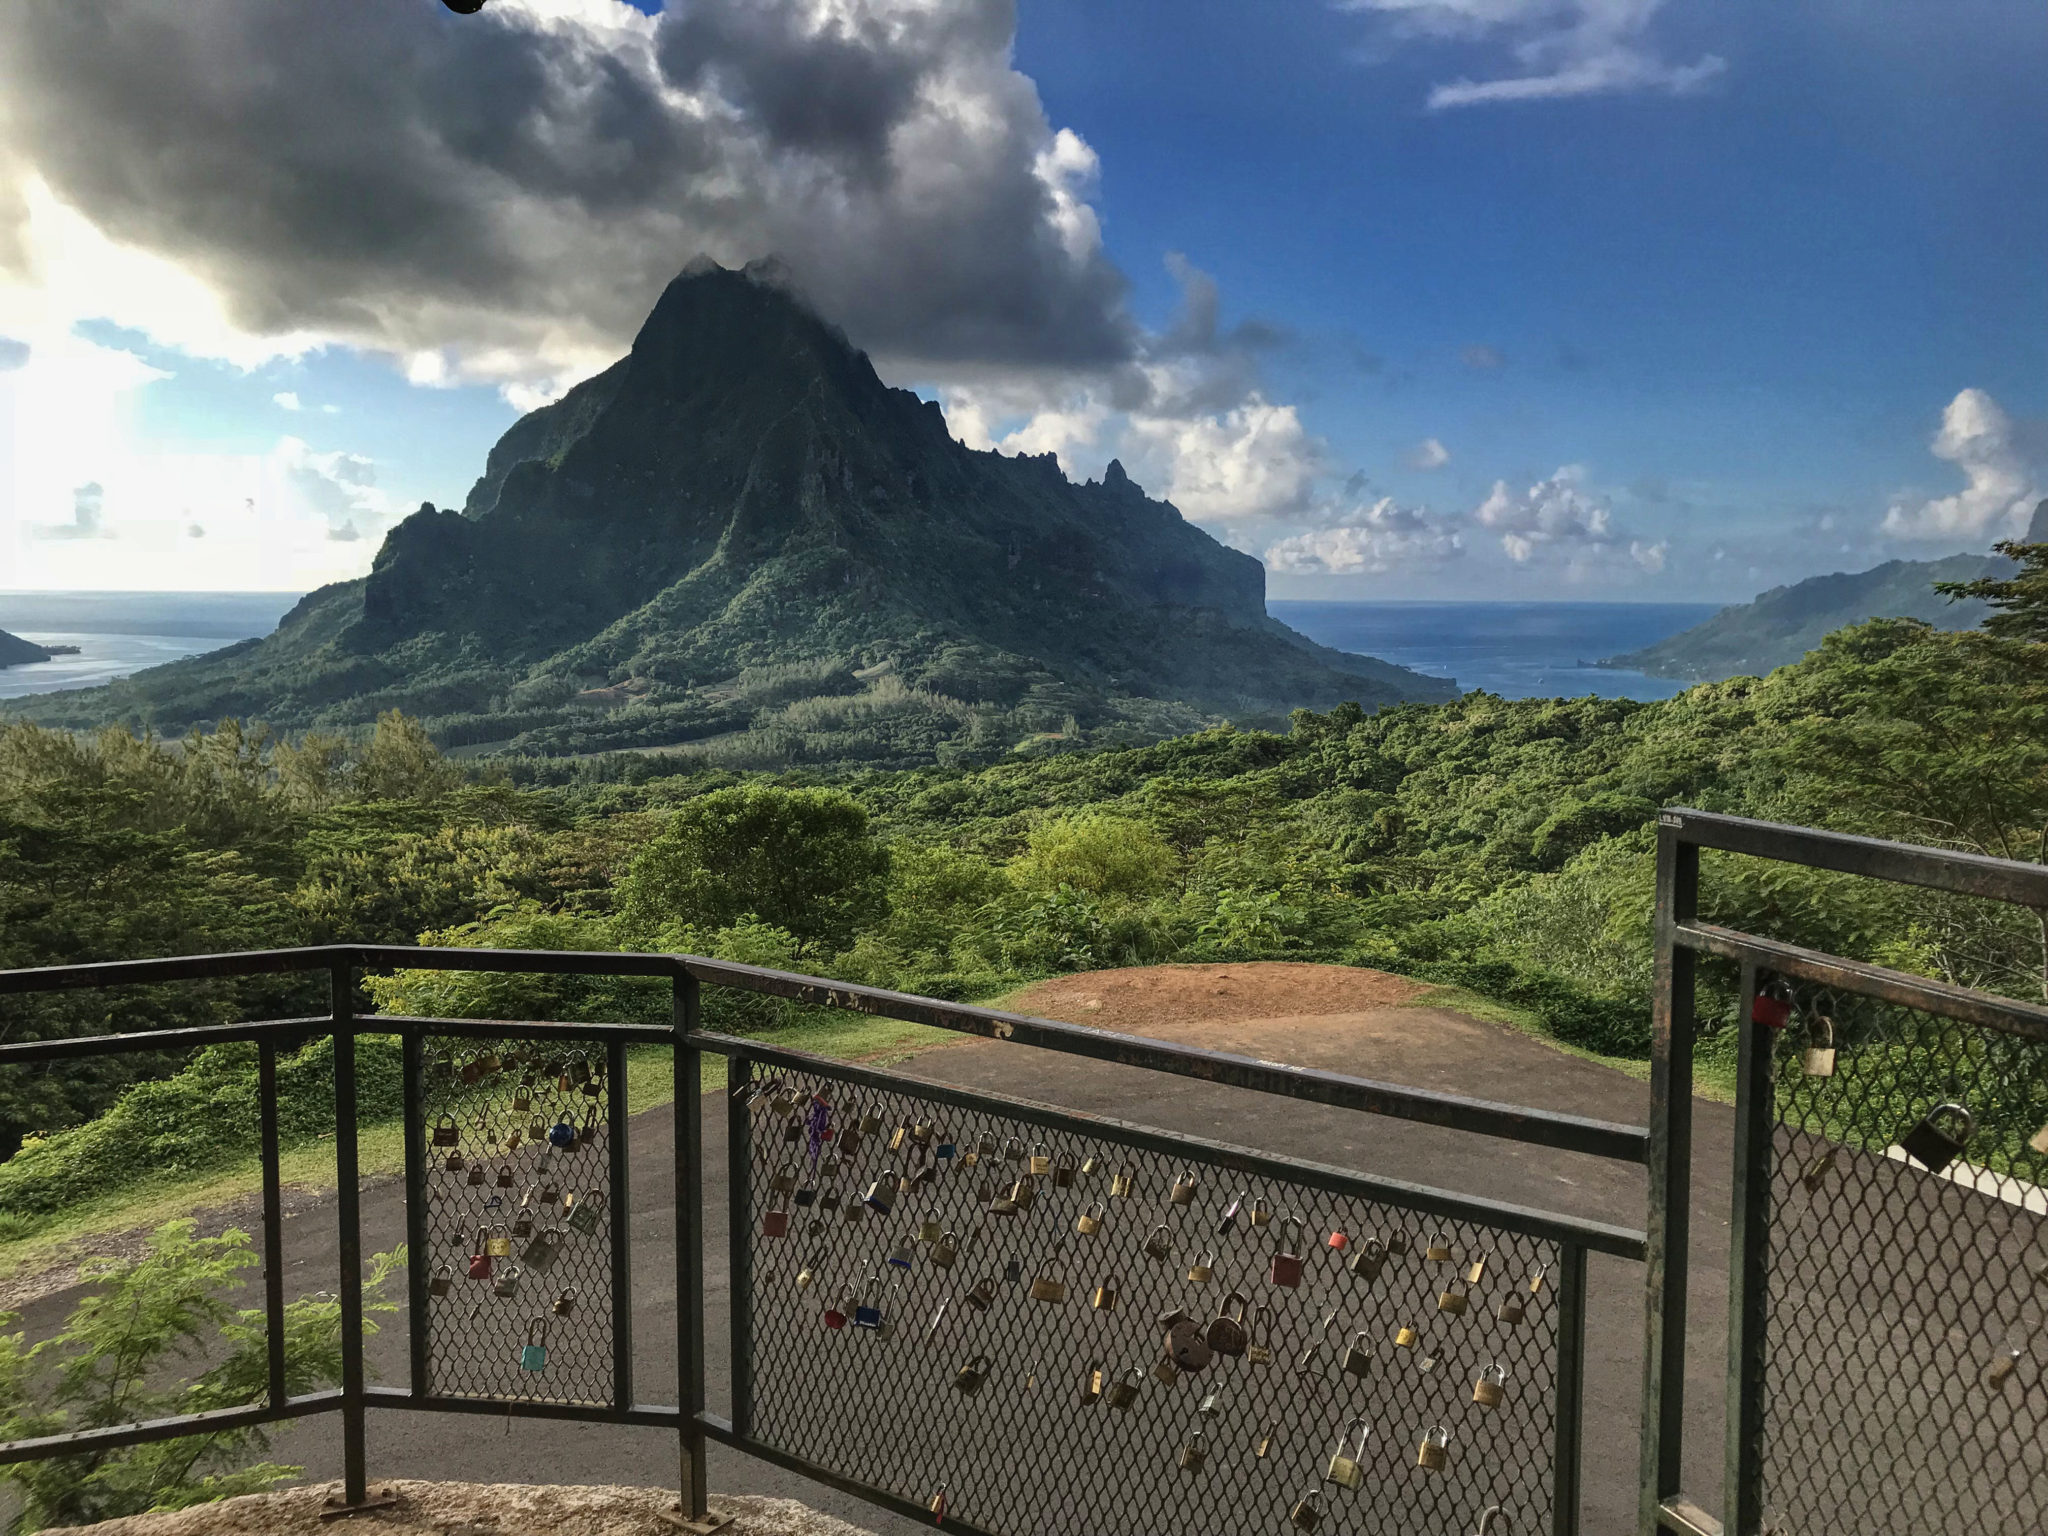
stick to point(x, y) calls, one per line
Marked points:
point(1256, 1350)
point(1347, 1462)
point(870, 1122)
point(476, 1174)
point(499, 1244)
point(1511, 1308)
point(1369, 1260)
point(1227, 1334)
point(1934, 1148)
point(1183, 1192)
point(946, 1249)
point(1194, 1451)
point(1125, 1392)
point(1434, 1452)
point(1090, 1166)
point(1065, 1171)
point(1405, 1337)
point(1104, 1297)
point(1203, 1270)
point(1358, 1358)
point(899, 1136)
point(971, 1375)
point(1160, 1244)
point(456, 1162)
point(1262, 1213)
point(1453, 1300)
point(1536, 1280)
point(1047, 1286)
point(921, 1133)
point(1397, 1243)
point(1024, 1192)
point(783, 1181)
point(442, 1283)
point(1187, 1347)
point(1263, 1447)
point(936, 1504)
point(1089, 1222)
point(1307, 1513)
point(808, 1274)
point(1439, 1249)
point(929, 1230)
point(1120, 1184)
point(1817, 1171)
point(446, 1134)
point(1093, 1381)
point(1491, 1386)
point(1040, 1164)
point(1477, 1272)
point(522, 1098)
point(1165, 1370)
point(1819, 1058)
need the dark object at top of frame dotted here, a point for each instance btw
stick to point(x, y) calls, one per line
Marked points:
point(464, 7)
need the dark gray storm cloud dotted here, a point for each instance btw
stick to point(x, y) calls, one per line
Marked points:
point(522, 183)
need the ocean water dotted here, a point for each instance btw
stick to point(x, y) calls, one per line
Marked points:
point(121, 632)
point(1517, 650)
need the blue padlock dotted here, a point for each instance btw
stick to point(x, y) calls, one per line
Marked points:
point(881, 1195)
point(533, 1354)
point(562, 1134)
point(869, 1313)
point(946, 1152)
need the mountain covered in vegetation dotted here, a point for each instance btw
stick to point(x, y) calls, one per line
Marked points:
point(737, 535)
point(1780, 626)
point(14, 650)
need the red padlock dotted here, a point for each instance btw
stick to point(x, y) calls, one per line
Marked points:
point(1339, 1240)
point(1286, 1266)
point(1772, 1006)
point(479, 1266)
point(775, 1223)
point(835, 1315)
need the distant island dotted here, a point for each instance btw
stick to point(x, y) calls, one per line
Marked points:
point(1781, 625)
point(738, 538)
point(16, 652)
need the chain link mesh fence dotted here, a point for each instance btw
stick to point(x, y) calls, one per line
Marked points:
point(1903, 1388)
point(874, 1356)
point(518, 1219)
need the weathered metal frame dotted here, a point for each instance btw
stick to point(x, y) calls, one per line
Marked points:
point(687, 975)
point(1680, 938)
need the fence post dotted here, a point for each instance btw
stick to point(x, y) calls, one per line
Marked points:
point(1668, 1228)
point(1749, 1232)
point(348, 1204)
point(273, 1223)
point(418, 1255)
point(739, 1180)
point(1571, 1388)
point(689, 1197)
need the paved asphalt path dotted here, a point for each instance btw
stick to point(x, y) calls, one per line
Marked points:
point(1505, 1065)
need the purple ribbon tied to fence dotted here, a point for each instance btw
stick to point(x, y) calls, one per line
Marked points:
point(815, 1124)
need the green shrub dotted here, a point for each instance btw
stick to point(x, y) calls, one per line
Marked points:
point(125, 1355)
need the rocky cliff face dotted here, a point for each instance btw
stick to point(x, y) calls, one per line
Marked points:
point(741, 492)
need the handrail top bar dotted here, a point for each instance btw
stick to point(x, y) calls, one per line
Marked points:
point(1575, 1133)
point(1941, 869)
point(2014, 1016)
point(1552, 1226)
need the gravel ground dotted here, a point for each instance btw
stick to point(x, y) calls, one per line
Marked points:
point(470, 1509)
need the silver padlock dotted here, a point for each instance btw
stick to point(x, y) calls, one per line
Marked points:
point(1819, 1059)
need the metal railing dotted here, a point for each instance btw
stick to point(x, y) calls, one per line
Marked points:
point(1888, 1270)
point(1435, 1299)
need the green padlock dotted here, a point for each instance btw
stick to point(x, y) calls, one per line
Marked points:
point(533, 1354)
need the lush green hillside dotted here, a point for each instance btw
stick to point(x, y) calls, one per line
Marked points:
point(14, 650)
point(737, 536)
point(1782, 625)
point(1502, 845)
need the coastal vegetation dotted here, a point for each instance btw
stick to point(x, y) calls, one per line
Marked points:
point(1504, 847)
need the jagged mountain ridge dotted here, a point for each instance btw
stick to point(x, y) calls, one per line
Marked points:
point(740, 494)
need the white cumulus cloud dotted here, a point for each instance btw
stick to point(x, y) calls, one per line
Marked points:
point(1564, 518)
point(1370, 538)
point(1428, 454)
point(2000, 486)
point(285, 400)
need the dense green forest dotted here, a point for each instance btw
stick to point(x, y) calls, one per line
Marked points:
point(1505, 846)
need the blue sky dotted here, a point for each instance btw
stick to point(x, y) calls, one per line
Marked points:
point(1685, 324)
